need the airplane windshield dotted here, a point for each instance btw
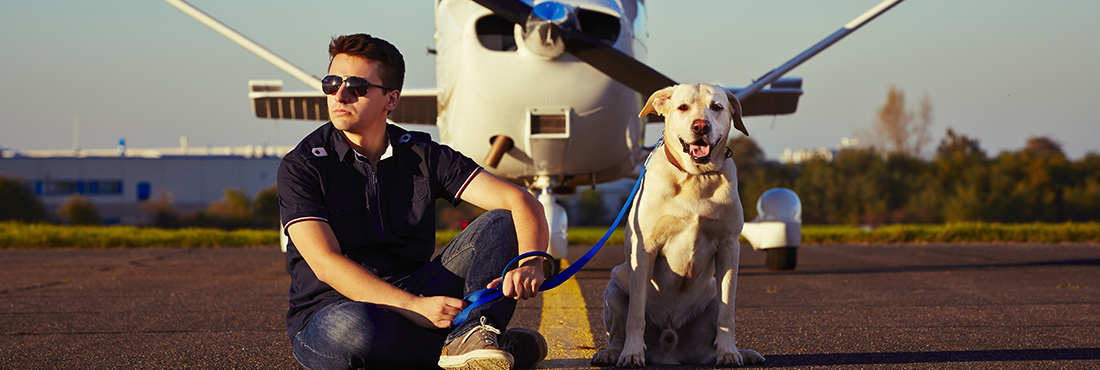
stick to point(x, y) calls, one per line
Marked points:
point(602, 26)
point(496, 33)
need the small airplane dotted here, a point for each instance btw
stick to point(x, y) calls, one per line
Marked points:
point(545, 94)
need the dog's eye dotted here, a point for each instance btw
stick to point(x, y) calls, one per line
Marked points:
point(682, 107)
point(716, 106)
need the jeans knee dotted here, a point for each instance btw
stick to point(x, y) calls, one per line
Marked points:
point(498, 218)
point(348, 327)
point(347, 332)
point(497, 224)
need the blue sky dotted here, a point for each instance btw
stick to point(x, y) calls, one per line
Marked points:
point(998, 71)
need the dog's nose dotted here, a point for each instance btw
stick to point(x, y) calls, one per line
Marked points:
point(700, 127)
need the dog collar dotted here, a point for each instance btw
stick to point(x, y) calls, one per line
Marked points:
point(672, 158)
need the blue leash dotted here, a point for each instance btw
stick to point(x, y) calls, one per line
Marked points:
point(487, 295)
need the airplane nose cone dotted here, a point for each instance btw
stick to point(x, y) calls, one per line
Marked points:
point(546, 28)
point(550, 11)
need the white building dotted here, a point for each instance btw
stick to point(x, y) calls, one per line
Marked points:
point(118, 184)
point(802, 155)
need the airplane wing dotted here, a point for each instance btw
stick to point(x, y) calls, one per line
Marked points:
point(781, 97)
point(269, 101)
point(417, 106)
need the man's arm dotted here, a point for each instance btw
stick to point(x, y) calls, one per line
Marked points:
point(318, 245)
point(490, 192)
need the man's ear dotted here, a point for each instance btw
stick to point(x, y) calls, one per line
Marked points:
point(658, 102)
point(392, 98)
point(735, 112)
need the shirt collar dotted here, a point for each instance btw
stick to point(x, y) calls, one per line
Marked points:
point(388, 153)
point(389, 150)
point(340, 143)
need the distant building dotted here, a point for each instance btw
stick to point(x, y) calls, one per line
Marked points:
point(118, 181)
point(796, 156)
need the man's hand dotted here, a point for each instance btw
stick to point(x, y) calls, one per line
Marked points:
point(431, 312)
point(487, 191)
point(522, 282)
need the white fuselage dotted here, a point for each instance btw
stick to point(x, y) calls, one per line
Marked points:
point(485, 93)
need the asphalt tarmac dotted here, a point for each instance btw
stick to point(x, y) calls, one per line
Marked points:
point(912, 306)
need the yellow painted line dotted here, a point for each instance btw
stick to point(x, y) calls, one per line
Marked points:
point(565, 326)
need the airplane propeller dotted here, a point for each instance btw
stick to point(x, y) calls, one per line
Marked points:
point(605, 58)
point(545, 30)
point(629, 71)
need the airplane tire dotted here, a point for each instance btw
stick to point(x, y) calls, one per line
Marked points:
point(785, 258)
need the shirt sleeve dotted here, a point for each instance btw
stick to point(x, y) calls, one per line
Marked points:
point(452, 172)
point(300, 195)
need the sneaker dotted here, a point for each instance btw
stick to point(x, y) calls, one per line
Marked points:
point(477, 350)
point(526, 346)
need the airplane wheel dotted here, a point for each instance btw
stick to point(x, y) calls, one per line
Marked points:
point(784, 258)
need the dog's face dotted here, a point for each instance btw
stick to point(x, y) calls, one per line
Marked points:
point(697, 123)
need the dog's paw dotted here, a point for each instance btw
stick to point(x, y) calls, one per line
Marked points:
point(636, 359)
point(606, 357)
point(729, 358)
point(739, 357)
point(751, 357)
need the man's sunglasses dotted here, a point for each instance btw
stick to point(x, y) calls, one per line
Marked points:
point(357, 85)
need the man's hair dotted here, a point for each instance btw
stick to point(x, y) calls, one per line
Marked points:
point(391, 65)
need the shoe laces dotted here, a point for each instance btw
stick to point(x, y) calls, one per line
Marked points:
point(487, 333)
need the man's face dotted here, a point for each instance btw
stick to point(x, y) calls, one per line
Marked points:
point(357, 114)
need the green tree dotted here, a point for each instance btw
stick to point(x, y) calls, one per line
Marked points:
point(956, 152)
point(910, 191)
point(236, 205)
point(164, 214)
point(852, 189)
point(589, 208)
point(1082, 197)
point(861, 186)
point(962, 172)
point(755, 174)
point(77, 210)
point(266, 207)
point(18, 203)
point(746, 153)
point(1029, 185)
point(232, 212)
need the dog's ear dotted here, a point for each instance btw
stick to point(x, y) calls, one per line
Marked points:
point(658, 102)
point(735, 111)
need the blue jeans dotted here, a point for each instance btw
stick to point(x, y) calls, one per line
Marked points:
point(358, 335)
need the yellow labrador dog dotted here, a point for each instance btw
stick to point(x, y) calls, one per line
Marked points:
point(672, 301)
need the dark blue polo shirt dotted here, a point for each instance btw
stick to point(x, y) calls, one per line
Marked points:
point(383, 218)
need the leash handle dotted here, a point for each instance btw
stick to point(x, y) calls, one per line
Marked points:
point(487, 295)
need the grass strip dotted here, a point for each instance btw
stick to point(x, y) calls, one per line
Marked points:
point(19, 235)
point(956, 233)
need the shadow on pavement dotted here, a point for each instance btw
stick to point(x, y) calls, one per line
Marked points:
point(1053, 354)
point(935, 268)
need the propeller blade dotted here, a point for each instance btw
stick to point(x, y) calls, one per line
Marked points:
point(512, 10)
point(617, 65)
point(605, 58)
